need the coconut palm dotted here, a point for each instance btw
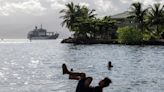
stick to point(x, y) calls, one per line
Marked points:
point(84, 12)
point(156, 17)
point(75, 13)
point(69, 17)
point(83, 18)
point(138, 13)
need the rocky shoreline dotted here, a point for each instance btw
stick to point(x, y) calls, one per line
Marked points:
point(113, 41)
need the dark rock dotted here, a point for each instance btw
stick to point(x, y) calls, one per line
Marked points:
point(103, 41)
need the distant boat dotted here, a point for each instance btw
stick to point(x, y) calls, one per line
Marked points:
point(41, 34)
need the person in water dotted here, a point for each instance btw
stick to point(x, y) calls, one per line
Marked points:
point(102, 84)
point(84, 82)
point(110, 65)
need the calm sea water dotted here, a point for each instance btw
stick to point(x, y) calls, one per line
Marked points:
point(36, 66)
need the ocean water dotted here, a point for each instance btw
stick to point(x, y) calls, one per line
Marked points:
point(36, 66)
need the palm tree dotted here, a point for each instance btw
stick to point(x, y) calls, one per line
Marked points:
point(107, 18)
point(85, 12)
point(138, 13)
point(83, 17)
point(156, 17)
point(75, 13)
point(69, 17)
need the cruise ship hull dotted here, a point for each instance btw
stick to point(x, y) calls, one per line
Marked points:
point(44, 38)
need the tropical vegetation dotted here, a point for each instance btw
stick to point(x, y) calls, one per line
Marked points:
point(156, 19)
point(147, 24)
point(129, 35)
point(83, 22)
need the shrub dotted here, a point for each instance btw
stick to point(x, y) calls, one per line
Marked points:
point(147, 35)
point(129, 35)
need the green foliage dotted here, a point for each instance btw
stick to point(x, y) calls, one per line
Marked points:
point(148, 23)
point(129, 35)
point(138, 14)
point(151, 19)
point(156, 19)
point(82, 21)
point(147, 36)
point(73, 13)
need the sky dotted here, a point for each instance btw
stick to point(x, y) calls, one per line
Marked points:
point(18, 17)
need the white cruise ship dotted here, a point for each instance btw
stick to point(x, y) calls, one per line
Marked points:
point(41, 34)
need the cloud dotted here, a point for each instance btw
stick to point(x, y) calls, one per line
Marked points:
point(149, 2)
point(39, 7)
point(125, 1)
point(104, 6)
point(32, 7)
point(60, 4)
point(57, 6)
point(84, 4)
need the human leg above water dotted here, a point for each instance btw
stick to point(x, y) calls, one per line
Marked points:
point(73, 75)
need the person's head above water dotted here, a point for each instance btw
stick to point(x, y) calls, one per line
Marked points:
point(105, 82)
point(110, 64)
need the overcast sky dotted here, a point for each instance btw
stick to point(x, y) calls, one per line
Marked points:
point(18, 17)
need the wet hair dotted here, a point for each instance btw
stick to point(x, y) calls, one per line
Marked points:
point(110, 64)
point(107, 81)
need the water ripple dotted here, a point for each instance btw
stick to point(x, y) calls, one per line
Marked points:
point(36, 66)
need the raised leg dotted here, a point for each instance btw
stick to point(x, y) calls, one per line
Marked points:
point(65, 70)
point(72, 75)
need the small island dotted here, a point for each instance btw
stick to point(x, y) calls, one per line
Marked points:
point(138, 26)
